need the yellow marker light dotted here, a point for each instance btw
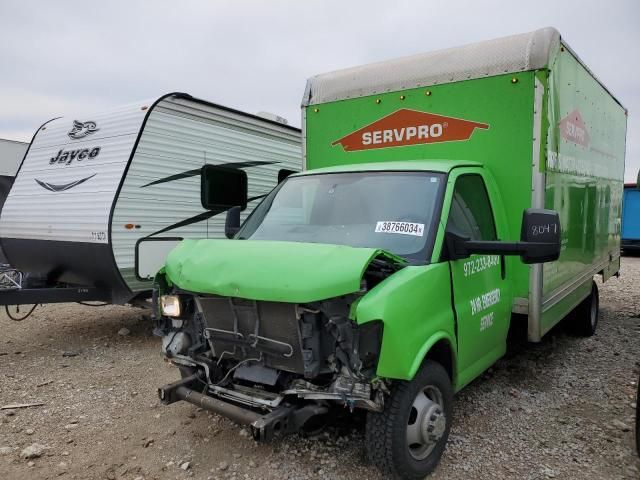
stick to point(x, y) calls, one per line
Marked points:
point(170, 305)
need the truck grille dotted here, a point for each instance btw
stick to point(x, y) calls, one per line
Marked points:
point(253, 329)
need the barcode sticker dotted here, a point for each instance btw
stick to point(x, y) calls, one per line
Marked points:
point(403, 228)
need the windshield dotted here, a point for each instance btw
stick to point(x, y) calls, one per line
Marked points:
point(389, 210)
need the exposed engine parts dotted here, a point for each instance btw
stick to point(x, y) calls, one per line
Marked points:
point(274, 363)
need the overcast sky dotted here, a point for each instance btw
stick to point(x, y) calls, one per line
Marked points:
point(58, 57)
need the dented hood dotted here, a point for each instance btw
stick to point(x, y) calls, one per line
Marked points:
point(267, 270)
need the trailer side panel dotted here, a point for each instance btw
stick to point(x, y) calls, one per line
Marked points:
point(584, 181)
point(160, 196)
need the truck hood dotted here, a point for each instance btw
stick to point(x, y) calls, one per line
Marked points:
point(267, 270)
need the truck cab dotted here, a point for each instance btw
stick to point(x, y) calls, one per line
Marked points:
point(342, 282)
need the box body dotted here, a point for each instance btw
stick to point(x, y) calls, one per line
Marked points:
point(532, 114)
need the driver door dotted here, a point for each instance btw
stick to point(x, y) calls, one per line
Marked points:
point(480, 287)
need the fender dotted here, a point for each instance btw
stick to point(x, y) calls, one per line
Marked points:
point(414, 305)
point(426, 348)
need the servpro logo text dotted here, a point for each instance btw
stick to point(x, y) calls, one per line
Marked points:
point(409, 127)
point(403, 134)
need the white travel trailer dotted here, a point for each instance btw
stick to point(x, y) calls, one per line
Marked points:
point(11, 154)
point(100, 199)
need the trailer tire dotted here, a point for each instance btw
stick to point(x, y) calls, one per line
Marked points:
point(586, 315)
point(426, 402)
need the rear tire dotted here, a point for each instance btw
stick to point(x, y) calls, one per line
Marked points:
point(586, 315)
point(638, 419)
point(408, 438)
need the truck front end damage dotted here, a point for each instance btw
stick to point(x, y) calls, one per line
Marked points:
point(272, 365)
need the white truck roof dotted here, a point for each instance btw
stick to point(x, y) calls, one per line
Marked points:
point(516, 53)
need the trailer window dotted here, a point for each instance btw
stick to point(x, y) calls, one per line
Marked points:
point(471, 213)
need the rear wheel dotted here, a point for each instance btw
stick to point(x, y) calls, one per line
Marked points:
point(586, 315)
point(408, 438)
point(638, 419)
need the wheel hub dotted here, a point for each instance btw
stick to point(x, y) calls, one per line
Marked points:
point(433, 424)
point(427, 423)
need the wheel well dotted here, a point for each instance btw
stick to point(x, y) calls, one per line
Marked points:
point(442, 353)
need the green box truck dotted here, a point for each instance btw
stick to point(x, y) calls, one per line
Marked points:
point(387, 276)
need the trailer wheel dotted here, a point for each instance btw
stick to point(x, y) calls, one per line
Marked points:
point(585, 321)
point(408, 438)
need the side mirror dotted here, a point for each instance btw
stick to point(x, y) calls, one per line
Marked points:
point(222, 187)
point(540, 235)
point(232, 222)
point(539, 240)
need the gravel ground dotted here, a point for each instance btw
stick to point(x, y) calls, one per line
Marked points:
point(562, 409)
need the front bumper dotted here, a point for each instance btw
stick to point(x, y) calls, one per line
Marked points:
point(282, 419)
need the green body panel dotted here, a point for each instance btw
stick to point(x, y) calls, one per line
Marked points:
point(584, 180)
point(505, 148)
point(415, 306)
point(552, 315)
point(273, 271)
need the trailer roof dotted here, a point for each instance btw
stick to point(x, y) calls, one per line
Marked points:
point(516, 53)
point(440, 166)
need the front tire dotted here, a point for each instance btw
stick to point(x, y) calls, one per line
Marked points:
point(408, 438)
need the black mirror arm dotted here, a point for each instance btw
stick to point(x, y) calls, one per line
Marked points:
point(533, 249)
point(504, 248)
point(232, 222)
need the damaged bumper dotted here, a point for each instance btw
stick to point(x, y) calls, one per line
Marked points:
point(264, 426)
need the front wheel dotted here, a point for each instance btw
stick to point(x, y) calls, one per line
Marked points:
point(408, 438)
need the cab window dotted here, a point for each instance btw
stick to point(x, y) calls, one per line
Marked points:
point(470, 214)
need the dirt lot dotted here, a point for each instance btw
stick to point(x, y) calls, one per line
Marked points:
point(560, 409)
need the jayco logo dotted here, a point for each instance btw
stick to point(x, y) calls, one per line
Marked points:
point(65, 157)
point(82, 129)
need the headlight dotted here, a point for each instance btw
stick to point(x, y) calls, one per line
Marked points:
point(170, 305)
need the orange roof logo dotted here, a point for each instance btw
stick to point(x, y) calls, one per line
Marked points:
point(573, 129)
point(409, 127)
